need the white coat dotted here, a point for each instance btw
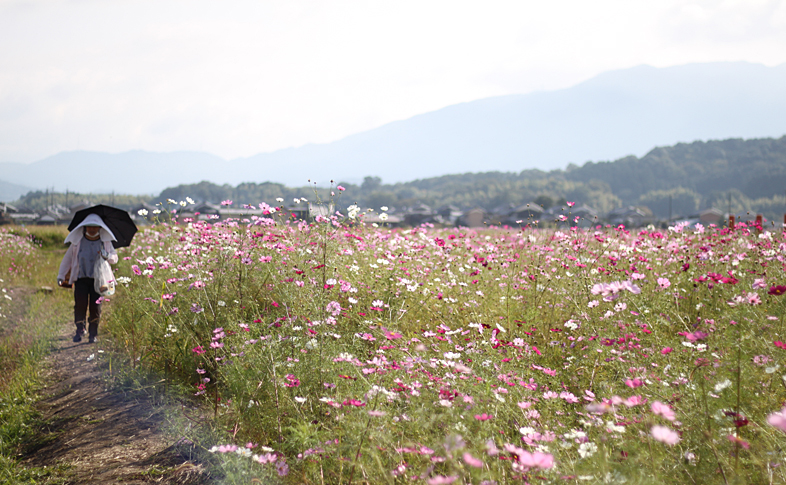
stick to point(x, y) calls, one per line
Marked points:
point(75, 237)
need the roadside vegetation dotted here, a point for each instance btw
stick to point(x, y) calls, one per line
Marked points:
point(29, 320)
point(335, 352)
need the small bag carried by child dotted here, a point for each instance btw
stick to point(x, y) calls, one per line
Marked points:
point(103, 277)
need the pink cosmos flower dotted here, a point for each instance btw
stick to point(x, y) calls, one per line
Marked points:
point(226, 202)
point(665, 435)
point(544, 461)
point(666, 350)
point(662, 410)
point(778, 420)
point(633, 401)
point(334, 308)
point(598, 408)
point(472, 461)
point(664, 283)
point(483, 417)
point(491, 448)
point(777, 290)
point(634, 383)
point(568, 397)
point(739, 441)
point(291, 381)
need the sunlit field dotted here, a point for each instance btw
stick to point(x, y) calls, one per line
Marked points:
point(337, 352)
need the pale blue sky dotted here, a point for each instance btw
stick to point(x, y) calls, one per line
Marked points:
point(238, 78)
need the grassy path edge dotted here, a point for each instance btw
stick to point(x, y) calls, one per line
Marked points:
point(63, 417)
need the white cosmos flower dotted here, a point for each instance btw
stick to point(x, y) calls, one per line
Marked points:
point(142, 212)
point(587, 449)
point(722, 385)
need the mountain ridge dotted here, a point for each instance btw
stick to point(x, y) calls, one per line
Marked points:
point(613, 114)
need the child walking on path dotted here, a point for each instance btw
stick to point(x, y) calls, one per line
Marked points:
point(90, 240)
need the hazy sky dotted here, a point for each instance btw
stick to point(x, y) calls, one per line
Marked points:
point(237, 78)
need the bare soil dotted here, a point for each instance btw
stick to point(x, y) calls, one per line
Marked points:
point(100, 432)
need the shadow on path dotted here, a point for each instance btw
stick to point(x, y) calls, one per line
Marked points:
point(102, 433)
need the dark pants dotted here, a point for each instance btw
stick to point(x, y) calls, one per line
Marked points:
point(85, 297)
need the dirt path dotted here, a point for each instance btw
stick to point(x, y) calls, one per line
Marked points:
point(99, 432)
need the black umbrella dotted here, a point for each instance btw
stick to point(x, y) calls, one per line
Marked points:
point(117, 220)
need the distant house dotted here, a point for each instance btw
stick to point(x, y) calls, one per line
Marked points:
point(204, 209)
point(476, 217)
point(419, 214)
point(448, 214)
point(581, 216)
point(524, 214)
point(712, 216)
point(5, 213)
point(316, 210)
point(46, 220)
point(73, 208)
point(630, 216)
point(390, 220)
point(138, 218)
point(7, 208)
point(298, 212)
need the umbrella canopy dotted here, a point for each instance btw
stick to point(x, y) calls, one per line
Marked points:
point(117, 220)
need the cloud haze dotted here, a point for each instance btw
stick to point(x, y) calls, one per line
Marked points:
point(239, 78)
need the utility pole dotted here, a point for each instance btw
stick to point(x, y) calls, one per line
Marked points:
point(729, 203)
point(669, 209)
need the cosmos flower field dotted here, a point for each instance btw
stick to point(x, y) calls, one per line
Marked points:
point(338, 352)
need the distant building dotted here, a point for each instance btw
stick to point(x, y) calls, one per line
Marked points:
point(448, 215)
point(138, 218)
point(419, 214)
point(524, 214)
point(630, 216)
point(390, 220)
point(316, 210)
point(46, 220)
point(476, 217)
point(5, 213)
point(581, 216)
point(712, 216)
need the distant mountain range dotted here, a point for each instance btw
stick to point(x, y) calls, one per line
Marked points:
point(739, 176)
point(9, 191)
point(614, 114)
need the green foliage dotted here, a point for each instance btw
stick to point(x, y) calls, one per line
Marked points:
point(22, 348)
point(39, 200)
point(664, 203)
point(452, 338)
point(697, 175)
point(756, 167)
